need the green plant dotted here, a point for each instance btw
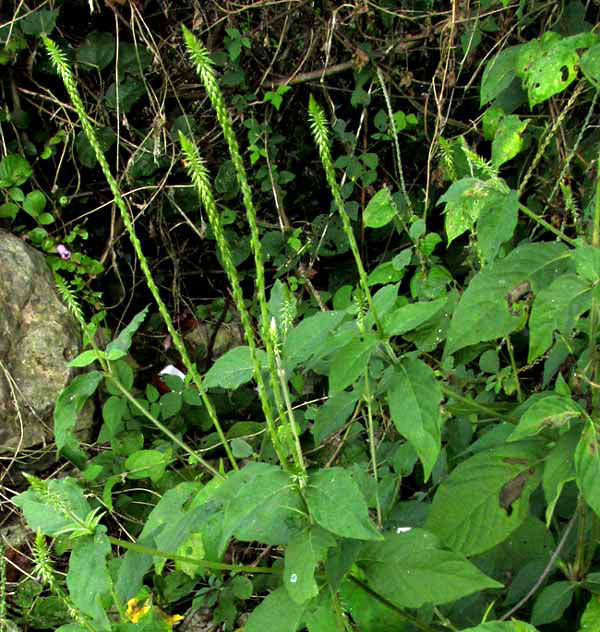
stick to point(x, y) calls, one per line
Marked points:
point(503, 467)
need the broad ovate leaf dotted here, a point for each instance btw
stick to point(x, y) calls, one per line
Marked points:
point(508, 140)
point(587, 467)
point(590, 65)
point(278, 611)
point(559, 469)
point(380, 210)
point(414, 398)
point(552, 411)
point(498, 74)
point(411, 569)
point(557, 308)
point(350, 362)
point(233, 369)
point(486, 497)
point(302, 554)
point(486, 310)
point(336, 503)
point(260, 502)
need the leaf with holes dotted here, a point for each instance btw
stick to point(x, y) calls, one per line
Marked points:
point(486, 497)
point(484, 312)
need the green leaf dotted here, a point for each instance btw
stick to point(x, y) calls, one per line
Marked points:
point(45, 219)
point(559, 468)
point(97, 51)
point(380, 209)
point(464, 200)
point(486, 497)
point(241, 449)
point(40, 21)
point(130, 90)
point(549, 65)
point(85, 152)
point(333, 415)
point(170, 404)
point(88, 578)
point(336, 503)
point(556, 307)
point(369, 614)
point(491, 120)
point(350, 362)
point(508, 140)
point(233, 369)
point(590, 619)
point(277, 612)
point(587, 262)
point(502, 626)
point(590, 65)
point(587, 467)
point(85, 359)
point(552, 601)
point(191, 547)
point(308, 336)
point(302, 554)
point(259, 503)
point(409, 317)
point(69, 404)
point(146, 464)
point(14, 170)
point(498, 74)
point(34, 203)
point(385, 273)
point(484, 312)
point(411, 570)
point(414, 398)
point(551, 411)
point(47, 516)
point(123, 341)
point(322, 615)
point(8, 210)
point(134, 59)
point(134, 565)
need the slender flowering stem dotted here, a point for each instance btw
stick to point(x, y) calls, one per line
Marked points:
point(319, 131)
point(199, 176)
point(204, 68)
point(59, 60)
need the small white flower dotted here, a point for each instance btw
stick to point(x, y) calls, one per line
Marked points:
point(293, 578)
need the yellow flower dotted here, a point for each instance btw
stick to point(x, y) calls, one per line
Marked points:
point(135, 612)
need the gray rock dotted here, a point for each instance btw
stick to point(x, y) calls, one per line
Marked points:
point(38, 337)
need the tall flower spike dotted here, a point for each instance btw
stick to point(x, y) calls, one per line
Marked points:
point(199, 176)
point(200, 59)
point(60, 62)
point(319, 131)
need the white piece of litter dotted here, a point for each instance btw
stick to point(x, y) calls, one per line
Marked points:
point(293, 578)
point(172, 370)
point(403, 529)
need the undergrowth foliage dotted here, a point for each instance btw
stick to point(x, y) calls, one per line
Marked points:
point(510, 473)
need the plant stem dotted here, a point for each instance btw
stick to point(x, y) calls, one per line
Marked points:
point(381, 599)
point(217, 566)
point(371, 431)
point(163, 428)
point(546, 225)
point(59, 60)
